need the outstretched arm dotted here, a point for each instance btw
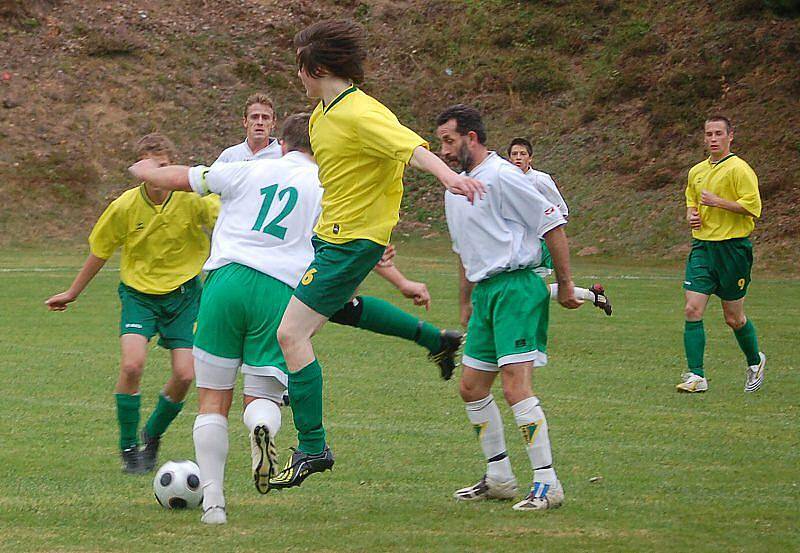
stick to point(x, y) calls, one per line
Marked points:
point(427, 161)
point(170, 177)
point(416, 291)
point(90, 268)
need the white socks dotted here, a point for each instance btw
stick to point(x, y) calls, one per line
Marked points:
point(485, 418)
point(581, 293)
point(263, 411)
point(211, 451)
point(533, 425)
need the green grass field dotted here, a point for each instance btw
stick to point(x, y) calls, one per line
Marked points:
point(714, 472)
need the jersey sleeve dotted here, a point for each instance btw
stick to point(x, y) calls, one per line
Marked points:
point(109, 232)
point(522, 203)
point(218, 178)
point(691, 200)
point(745, 183)
point(209, 210)
point(381, 135)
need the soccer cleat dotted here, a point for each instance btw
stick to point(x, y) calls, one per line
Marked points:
point(601, 300)
point(148, 455)
point(132, 461)
point(488, 488)
point(265, 457)
point(445, 358)
point(692, 383)
point(542, 497)
point(214, 515)
point(300, 466)
point(754, 376)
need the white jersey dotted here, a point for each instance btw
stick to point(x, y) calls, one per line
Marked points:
point(242, 152)
point(500, 232)
point(269, 209)
point(546, 186)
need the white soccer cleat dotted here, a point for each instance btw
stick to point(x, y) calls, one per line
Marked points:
point(488, 488)
point(214, 515)
point(265, 457)
point(542, 497)
point(692, 384)
point(754, 375)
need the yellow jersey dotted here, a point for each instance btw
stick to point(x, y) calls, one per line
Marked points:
point(361, 149)
point(730, 178)
point(164, 245)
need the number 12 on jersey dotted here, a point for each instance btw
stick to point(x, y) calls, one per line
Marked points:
point(273, 227)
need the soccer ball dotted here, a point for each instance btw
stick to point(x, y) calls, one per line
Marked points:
point(177, 485)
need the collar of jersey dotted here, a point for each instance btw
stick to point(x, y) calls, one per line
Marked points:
point(726, 158)
point(491, 154)
point(338, 99)
point(149, 202)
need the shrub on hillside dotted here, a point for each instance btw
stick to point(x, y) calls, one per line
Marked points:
point(112, 42)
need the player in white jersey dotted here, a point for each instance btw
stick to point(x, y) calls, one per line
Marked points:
point(506, 303)
point(260, 248)
point(519, 153)
point(259, 121)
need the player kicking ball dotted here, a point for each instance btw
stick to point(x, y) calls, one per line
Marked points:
point(163, 236)
point(506, 303)
point(361, 150)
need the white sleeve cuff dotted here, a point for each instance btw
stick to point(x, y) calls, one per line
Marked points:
point(197, 179)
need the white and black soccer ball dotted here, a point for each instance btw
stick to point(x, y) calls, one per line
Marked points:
point(177, 485)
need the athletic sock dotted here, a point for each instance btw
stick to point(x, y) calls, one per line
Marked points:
point(533, 425)
point(263, 412)
point(485, 418)
point(382, 317)
point(128, 419)
point(694, 342)
point(210, 436)
point(581, 293)
point(305, 394)
point(165, 412)
point(748, 341)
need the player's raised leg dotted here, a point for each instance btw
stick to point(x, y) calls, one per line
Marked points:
point(694, 342)
point(134, 354)
point(745, 332)
point(262, 417)
point(498, 482)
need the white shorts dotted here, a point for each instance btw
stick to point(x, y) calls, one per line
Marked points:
point(220, 374)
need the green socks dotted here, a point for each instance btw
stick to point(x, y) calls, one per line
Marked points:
point(382, 317)
point(165, 412)
point(694, 341)
point(746, 336)
point(128, 419)
point(305, 391)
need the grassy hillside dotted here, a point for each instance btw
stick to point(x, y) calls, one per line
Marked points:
point(612, 94)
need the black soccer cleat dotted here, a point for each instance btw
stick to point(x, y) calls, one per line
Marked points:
point(445, 358)
point(601, 300)
point(300, 466)
point(131, 461)
point(148, 455)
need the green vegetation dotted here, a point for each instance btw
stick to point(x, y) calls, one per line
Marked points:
point(668, 462)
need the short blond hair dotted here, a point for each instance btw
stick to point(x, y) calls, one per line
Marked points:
point(258, 98)
point(155, 144)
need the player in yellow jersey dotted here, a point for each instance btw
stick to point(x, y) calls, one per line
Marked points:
point(722, 201)
point(164, 241)
point(361, 149)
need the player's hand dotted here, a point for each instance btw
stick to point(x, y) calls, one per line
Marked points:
point(566, 295)
point(141, 169)
point(709, 199)
point(694, 219)
point(466, 313)
point(59, 301)
point(387, 257)
point(418, 292)
point(464, 186)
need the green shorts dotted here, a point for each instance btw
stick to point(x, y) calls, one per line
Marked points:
point(721, 268)
point(545, 266)
point(335, 273)
point(239, 317)
point(510, 312)
point(171, 315)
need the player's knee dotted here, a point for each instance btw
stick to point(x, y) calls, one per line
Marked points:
point(735, 320)
point(693, 312)
point(132, 368)
point(472, 391)
point(184, 376)
point(514, 392)
point(286, 338)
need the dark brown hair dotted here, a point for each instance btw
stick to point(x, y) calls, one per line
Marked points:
point(294, 133)
point(467, 119)
point(155, 144)
point(723, 119)
point(332, 47)
point(519, 141)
